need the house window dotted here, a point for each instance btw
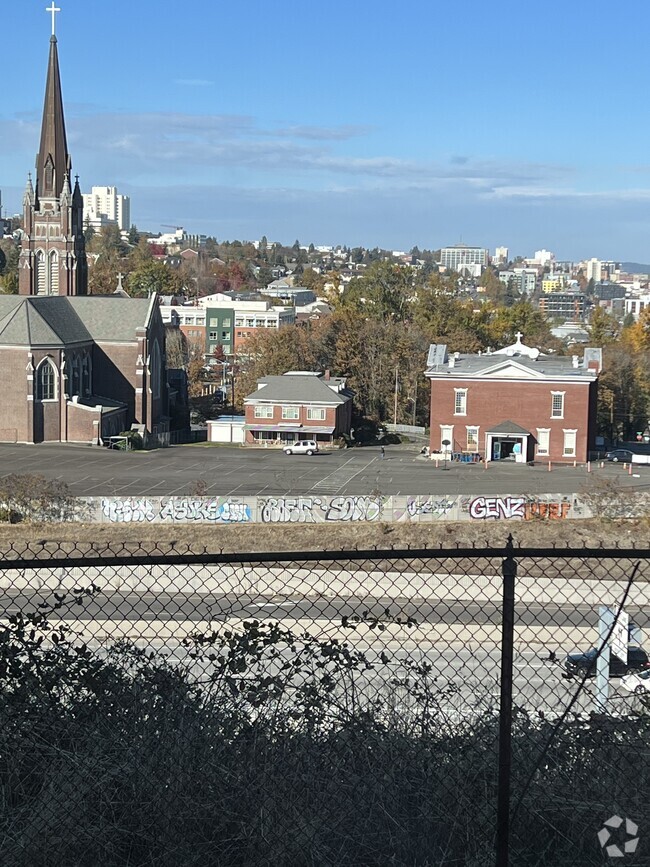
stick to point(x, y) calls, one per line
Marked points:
point(569, 450)
point(557, 404)
point(226, 323)
point(225, 335)
point(212, 335)
point(263, 412)
point(214, 322)
point(291, 412)
point(472, 439)
point(543, 441)
point(316, 413)
point(46, 381)
point(460, 404)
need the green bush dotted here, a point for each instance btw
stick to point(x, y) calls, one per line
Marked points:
point(133, 442)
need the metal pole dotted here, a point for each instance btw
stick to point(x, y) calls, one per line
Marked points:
point(509, 571)
point(396, 384)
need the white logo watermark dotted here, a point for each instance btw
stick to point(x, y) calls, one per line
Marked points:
point(618, 837)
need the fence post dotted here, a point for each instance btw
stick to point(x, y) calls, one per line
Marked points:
point(509, 572)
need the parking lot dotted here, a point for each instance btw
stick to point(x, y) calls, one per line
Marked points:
point(221, 470)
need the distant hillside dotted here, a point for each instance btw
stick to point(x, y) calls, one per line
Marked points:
point(635, 268)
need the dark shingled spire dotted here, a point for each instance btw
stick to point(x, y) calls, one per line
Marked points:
point(53, 160)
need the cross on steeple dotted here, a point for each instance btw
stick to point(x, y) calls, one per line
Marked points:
point(53, 9)
point(519, 335)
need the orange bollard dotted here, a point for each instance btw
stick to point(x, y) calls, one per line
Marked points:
point(588, 466)
point(602, 465)
point(629, 472)
point(550, 466)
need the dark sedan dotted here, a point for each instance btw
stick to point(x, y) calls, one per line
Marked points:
point(616, 455)
point(578, 663)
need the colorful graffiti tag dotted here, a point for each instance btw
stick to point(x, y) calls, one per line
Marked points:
point(517, 508)
point(314, 510)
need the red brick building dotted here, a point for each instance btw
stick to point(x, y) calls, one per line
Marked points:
point(81, 369)
point(298, 405)
point(74, 368)
point(514, 404)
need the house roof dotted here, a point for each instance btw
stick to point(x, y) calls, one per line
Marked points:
point(61, 320)
point(300, 387)
point(515, 361)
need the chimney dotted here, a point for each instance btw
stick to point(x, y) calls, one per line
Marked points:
point(326, 376)
point(452, 362)
point(575, 360)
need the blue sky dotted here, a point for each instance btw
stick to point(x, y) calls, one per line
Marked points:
point(423, 122)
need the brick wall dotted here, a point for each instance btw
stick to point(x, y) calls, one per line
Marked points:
point(527, 404)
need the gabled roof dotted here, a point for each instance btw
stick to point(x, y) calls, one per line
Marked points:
point(300, 388)
point(61, 320)
point(508, 427)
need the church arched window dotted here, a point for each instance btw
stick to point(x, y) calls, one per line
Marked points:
point(76, 375)
point(46, 381)
point(86, 375)
point(156, 372)
point(41, 273)
point(54, 273)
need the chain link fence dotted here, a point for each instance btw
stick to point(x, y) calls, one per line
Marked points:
point(170, 707)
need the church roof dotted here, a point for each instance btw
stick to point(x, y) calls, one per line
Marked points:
point(58, 320)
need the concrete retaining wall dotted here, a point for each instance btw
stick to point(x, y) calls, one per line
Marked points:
point(318, 510)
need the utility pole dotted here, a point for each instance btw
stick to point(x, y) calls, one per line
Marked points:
point(396, 386)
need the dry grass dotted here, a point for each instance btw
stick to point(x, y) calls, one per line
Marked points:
point(331, 537)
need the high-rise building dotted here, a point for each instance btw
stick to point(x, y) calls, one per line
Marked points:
point(53, 251)
point(501, 255)
point(455, 257)
point(594, 270)
point(104, 205)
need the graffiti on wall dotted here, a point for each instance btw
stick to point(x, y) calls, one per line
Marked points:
point(177, 509)
point(517, 508)
point(130, 510)
point(216, 511)
point(438, 506)
point(313, 510)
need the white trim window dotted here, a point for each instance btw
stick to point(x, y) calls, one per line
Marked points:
point(570, 439)
point(263, 411)
point(291, 413)
point(460, 401)
point(472, 438)
point(557, 404)
point(316, 413)
point(543, 441)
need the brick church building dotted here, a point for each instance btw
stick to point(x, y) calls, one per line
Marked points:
point(76, 368)
point(513, 404)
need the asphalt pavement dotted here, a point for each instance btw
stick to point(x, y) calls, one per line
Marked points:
point(233, 471)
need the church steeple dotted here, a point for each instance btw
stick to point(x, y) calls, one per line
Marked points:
point(53, 160)
point(53, 249)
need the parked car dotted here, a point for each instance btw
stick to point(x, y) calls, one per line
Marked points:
point(578, 663)
point(301, 447)
point(639, 682)
point(619, 455)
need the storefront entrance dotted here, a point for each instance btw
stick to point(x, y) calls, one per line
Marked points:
point(507, 442)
